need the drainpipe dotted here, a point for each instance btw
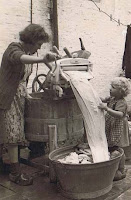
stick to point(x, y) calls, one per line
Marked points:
point(31, 5)
point(55, 23)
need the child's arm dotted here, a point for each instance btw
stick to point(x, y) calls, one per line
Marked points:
point(112, 112)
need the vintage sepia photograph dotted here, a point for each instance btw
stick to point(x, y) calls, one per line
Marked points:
point(65, 99)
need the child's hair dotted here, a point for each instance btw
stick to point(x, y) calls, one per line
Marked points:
point(122, 84)
point(33, 33)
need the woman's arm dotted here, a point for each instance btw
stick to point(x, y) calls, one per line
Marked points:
point(29, 59)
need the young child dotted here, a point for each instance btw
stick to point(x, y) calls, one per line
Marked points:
point(116, 120)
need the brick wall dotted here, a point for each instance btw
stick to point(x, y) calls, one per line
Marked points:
point(102, 37)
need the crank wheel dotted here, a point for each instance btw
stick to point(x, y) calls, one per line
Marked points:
point(38, 82)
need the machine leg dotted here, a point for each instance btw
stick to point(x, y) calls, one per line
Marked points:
point(52, 146)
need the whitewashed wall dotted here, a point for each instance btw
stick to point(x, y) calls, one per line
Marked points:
point(40, 15)
point(15, 15)
point(102, 37)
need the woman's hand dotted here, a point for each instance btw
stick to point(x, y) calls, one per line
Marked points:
point(102, 106)
point(50, 57)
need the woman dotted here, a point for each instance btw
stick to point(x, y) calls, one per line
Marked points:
point(14, 72)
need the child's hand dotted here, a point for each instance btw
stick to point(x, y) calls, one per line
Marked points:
point(101, 98)
point(102, 106)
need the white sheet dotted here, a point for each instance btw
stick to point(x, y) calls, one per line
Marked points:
point(88, 101)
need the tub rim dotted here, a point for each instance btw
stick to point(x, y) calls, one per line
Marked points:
point(88, 164)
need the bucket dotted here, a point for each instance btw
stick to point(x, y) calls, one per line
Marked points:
point(83, 181)
point(41, 111)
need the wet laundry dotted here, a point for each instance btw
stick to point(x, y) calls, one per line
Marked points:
point(94, 120)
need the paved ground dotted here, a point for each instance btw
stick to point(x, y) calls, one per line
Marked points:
point(42, 189)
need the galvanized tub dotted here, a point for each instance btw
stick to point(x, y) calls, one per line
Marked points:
point(83, 181)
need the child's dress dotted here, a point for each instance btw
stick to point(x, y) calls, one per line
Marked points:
point(117, 130)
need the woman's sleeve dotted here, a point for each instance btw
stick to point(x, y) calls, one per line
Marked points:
point(14, 52)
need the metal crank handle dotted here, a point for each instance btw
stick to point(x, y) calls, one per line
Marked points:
point(67, 52)
point(48, 65)
point(55, 49)
point(82, 45)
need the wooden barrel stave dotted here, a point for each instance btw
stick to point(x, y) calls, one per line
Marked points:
point(64, 113)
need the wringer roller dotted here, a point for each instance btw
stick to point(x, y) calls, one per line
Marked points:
point(56, 82)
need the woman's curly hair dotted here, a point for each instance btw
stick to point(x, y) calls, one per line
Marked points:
point(33, 33)
point(122, 84)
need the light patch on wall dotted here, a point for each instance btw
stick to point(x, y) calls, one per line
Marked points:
point(98, 1)
point(124, 33)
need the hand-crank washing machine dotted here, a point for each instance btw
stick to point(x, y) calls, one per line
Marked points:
point(55, 110)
